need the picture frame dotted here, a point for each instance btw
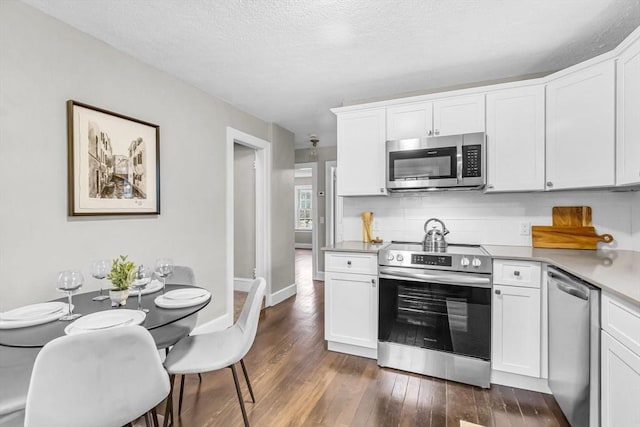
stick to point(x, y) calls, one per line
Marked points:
point(113, 163)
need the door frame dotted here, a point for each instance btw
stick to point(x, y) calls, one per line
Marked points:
point(263, 211)
point(314, 213)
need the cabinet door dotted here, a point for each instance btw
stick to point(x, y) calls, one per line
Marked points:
point(409, 121)
point(620, 388)
point(361, 153)
point(351, 309)
point(516, 330)
point(628, 116)
point(515, 139)
point(580, 129)
point(457, 115)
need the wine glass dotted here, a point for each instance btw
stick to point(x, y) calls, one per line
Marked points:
point(164, 269)
point(143, 277)
point(99, 270)
point(69, 282)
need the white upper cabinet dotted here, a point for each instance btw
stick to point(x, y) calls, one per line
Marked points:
point(410, 121)
point(457, 115)
point(361, 153)
point(515, 139)
point(449, 116)
point(581, 128)
point(628, 116)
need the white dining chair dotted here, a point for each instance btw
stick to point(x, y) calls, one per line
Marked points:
point(221, 349)
point(103, 378)
point(16, 365)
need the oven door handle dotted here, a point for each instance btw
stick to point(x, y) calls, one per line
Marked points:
point(444, 279)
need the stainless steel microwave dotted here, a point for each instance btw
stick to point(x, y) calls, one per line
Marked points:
point(437, 163)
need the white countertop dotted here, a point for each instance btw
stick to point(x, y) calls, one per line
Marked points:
point(355, 246)
point(616, 271)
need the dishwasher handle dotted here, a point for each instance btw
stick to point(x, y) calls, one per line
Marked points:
point(564, 284)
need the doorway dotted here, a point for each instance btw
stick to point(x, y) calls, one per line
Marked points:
point(260, 150)
point(306, 211)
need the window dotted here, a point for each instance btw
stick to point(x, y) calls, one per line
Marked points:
point(303, 207)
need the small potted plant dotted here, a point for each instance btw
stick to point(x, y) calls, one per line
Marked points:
point(122, 274)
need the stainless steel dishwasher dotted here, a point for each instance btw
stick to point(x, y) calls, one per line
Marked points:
point(574, 347)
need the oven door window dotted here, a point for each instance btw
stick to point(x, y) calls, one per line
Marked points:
point(451, 318)
point(438, 163)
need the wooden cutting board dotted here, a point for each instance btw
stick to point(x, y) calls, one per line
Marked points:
point(571, 216)
point(544, 236)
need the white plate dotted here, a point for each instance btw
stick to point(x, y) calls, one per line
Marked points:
point(104, 320)
point(185, 294)
point(34, 314)
point(153, 286)
point(185, 298)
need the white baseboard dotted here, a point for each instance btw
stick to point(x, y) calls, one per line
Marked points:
point(241, 284)
point(282, 294)
point(303, 246)
point(371, 353)
point(319, 276)
point(217, 324)
point(540, 385)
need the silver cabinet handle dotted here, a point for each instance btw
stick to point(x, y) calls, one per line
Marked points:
point(349, 262)
point(430, 132)
point(549, 184)
point(498, 292)
point(437, 132)
point(516, 273)
point(373, 282)
point(381, 190)
point(490, 186)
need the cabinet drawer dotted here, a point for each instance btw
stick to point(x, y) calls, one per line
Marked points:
point(622, 321)
point(516, 273)
point(351, 262)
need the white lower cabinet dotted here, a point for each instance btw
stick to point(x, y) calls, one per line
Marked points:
point(351, 309)
point(620, 363)
point(516, 330)
point(517, 339)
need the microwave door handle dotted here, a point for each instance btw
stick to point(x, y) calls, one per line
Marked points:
point(459, 161)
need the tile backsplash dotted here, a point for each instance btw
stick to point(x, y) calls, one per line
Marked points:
point(474, 217)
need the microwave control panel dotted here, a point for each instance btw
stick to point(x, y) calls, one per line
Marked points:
point(471, 163)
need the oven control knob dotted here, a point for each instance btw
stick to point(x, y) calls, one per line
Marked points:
point(390, 257)
point(464, 261)
point(476, 262)
point(399, 257)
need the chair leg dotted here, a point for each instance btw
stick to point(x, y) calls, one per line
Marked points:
point(246, 377)
point(240, 398)
point(181, 393)
point(168, 412)
point(199, 376)
point(154, 417)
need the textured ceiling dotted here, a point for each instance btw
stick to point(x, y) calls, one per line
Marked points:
point(289, 61)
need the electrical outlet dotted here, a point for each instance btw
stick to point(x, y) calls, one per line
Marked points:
point(525, 228)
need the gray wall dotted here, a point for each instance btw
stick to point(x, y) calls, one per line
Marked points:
point(244, 211)
point(282, 167)
point(325, 154)
point(44, 63)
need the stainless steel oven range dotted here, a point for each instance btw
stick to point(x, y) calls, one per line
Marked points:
point(435, 311)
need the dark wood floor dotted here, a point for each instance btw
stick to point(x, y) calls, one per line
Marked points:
point(298, 382)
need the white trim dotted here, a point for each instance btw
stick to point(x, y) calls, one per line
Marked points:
point(540, 385)
point(303, 245)
point(314, 213)
point(330, 209)
point(282, 294)
point(371, 353)
point(320, 276)
point(241, 284)
point(217, 324)
point(263, 209)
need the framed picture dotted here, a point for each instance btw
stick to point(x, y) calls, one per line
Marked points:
point(114, 163)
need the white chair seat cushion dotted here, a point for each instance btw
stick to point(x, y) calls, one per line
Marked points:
point(206, 352)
